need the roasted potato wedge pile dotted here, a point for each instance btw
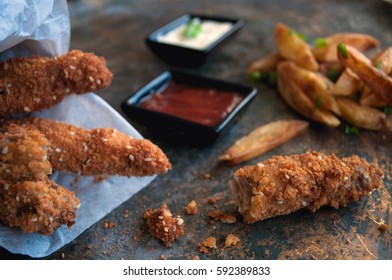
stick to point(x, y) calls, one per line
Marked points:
point(333, 80)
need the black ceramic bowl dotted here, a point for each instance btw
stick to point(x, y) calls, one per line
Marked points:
point(185, 56)
point(176, 128)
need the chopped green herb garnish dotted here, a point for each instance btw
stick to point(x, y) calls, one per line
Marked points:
point(387, 110)
point(256, 76)
point(272, 78)
point(300, 35)
point(192, 28)
point(333, 74)
point(320, 42)
point(351, 130)
point(378, 65)
point(342, 49)
point(318, 102)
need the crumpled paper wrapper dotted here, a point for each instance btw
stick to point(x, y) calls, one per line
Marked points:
point(48, 28)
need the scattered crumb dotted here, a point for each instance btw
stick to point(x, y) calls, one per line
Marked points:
point(213, 200)
point(215, 214)
point(195, 258)
point(228, 219)
point(202, 249)
point(209, 242)
point(383, 227)
point(191, 208)
point(163, 226)
point(124, 232)
point(88, 246)
point(103, 239)
point(100, 178)
point(108, 224)
point(126, 213)
point(231, 240)
point(163, 257)
point(207, 176)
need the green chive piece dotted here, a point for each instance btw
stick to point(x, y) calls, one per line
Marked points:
point(333, 74)
point(320, 42)
point(387, 110)
point(318, 102)
point(351, 130)
point(378, 65)
point(300, 35)
point(192, 28)
point(343, 50)
point(255, 76)
point(272, 78)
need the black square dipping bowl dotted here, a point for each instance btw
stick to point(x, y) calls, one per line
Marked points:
point(179, 53)
point(187, 107)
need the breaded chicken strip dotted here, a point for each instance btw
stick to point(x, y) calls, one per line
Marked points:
point(24, 154)
point(28, 199)
point(36, 83)
point(284, 184)
point(40, 206)
point(100, 151)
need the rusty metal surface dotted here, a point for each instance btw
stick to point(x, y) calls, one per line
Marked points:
point(116, 30)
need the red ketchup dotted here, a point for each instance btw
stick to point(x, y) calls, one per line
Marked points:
point(207, 106)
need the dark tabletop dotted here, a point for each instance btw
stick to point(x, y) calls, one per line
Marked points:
point(117, 29)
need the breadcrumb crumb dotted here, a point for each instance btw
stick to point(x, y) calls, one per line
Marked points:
point(163, 226)
point(231, 240)
point(383, 227)
point(191, 208)
point(209, 242)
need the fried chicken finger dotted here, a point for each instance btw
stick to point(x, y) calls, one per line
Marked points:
point(24, 154)
point(28, 199)
point(100, 151)
point(41, 206)
point(36, 83)
point(284, 184)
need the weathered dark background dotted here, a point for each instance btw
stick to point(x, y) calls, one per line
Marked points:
point(117, 29)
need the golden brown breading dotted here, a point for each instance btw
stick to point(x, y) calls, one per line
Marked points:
point(284, 184)
point(28, 199)
point(36, 83)
point(23, 154)
point(41, 206)
point(101, 151)
point(163, 226)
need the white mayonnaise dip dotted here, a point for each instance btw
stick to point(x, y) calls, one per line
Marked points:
point(210, 32)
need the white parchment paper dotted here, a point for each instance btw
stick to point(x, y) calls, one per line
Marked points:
point(42, 27)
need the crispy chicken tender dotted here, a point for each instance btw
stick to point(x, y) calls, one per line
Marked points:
point(284, 184)
point(28, 199)
point(36, 83)
point(100, 151)
point(37, 206)
point(24, 154)
point(163, 226)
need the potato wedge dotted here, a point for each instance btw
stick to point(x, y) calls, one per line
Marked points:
point(263, 139)
point(348, 84)
point(360, 116)
point(326, 52)
point(377, 80)
point(368, 98)
point(312, 84)
point(292, 47)
point(265, 64)
point(383, 61)
point(299, 102)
